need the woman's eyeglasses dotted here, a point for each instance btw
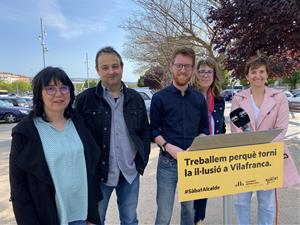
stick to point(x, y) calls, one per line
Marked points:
point(51, 89)
point(206, 72)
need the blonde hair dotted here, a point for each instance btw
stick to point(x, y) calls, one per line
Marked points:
point(216, 85)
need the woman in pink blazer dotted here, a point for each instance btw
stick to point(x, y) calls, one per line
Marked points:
point(267, 109)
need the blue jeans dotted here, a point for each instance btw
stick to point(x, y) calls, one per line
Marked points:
point(166, 187)
point(265, 209)
point(127, 199)
point(78, 222)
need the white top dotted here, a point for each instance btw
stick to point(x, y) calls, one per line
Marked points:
point(256, 110)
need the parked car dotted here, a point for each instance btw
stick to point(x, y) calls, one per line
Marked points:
point(288, 94)
point(227, 94)
point(294, 102)
point(294, 91)
point(11, 114)
point(16, 101)
point(146, 94)
point(28, 100)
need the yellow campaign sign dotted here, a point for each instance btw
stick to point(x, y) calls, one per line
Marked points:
point(224, 171)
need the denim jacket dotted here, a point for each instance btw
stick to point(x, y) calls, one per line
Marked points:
point(218, 115)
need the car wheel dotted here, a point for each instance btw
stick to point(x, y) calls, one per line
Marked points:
point(10, 118)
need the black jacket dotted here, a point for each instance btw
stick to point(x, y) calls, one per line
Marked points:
point(97, 116)
point(32, 188)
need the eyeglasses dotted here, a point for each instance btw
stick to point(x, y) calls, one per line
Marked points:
point(185, 66)
point(51, 89)
point(206, 72)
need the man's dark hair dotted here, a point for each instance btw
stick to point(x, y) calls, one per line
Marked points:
point(43, 79)
point(255, 62)
point(184, 51)
point(108, 50)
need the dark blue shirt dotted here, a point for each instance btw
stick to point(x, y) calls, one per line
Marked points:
point(179, 119)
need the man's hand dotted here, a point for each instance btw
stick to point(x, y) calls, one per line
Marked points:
point(172, 150)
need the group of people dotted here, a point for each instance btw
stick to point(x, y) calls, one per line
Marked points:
point(65, 162)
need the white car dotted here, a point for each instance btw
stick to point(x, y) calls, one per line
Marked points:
point(146, 94)
point(288, 94)
point(294, 101)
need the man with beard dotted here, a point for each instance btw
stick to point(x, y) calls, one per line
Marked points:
point(117, 118)
point(178, 114)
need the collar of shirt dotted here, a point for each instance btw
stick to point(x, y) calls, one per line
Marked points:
point(107, 92)
point(175, 90)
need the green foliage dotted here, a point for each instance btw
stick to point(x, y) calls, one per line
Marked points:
point(271, 81)
point(20, 86)
point(140, 82)
point(90, 83)
point(5, 85)
point(244, 83)
point(292, 79)
point(78, 87)
point(16, 86)
point(131, 85)
point(226, 80)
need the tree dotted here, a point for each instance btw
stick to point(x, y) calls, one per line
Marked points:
point(140, 82)
point(226, 80)
point(90, 83)
point(292, 79)
point(160, 25)
point(16, 86)
point(155, 78)
point(5, 85)
point(244, 28)
point(20, 86)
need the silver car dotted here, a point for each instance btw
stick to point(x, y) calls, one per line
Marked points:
point(146, 94)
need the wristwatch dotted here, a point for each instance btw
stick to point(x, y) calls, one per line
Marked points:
point(163, 147)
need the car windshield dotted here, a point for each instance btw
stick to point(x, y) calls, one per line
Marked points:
point(5, 104)
point(21, 100)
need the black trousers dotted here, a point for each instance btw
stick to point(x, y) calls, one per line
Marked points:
point(200, 208)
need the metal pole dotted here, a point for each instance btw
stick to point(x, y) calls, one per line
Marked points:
point(42, 37)
point(87, 70)
point(17, 83)
point(227, 210)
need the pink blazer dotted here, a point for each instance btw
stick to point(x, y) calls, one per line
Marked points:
point(274, 113)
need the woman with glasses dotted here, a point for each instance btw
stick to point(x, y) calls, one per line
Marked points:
point(207, 80)
point(53, 158)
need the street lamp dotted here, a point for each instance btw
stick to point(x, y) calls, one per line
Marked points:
point(43, 44)
point(87, 69)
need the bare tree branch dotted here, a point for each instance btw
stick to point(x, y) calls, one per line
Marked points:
point(161, 25)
